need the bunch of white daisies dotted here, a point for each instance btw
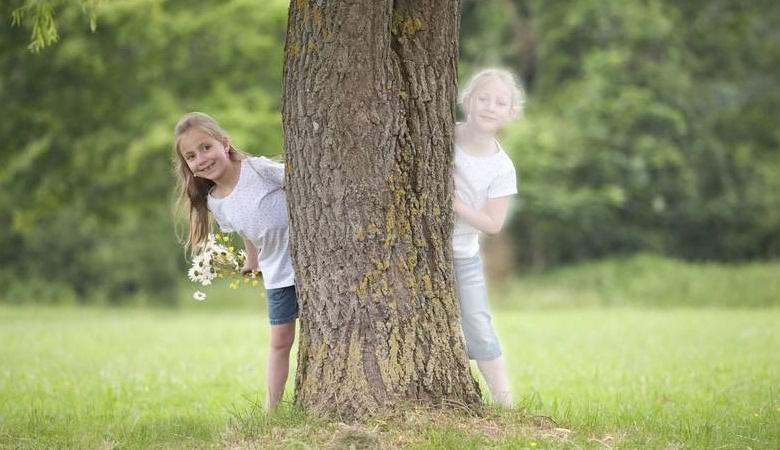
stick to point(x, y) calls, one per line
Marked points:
point(218, 259)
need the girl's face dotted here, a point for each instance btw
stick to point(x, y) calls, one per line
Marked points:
point(206, 156)
point(489, 107)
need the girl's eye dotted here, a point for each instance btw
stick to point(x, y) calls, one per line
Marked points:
point(206, 147)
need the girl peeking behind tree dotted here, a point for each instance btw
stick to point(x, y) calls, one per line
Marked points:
point(245, 195)
point(485, 180)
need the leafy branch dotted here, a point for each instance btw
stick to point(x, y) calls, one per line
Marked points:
point(40, 17)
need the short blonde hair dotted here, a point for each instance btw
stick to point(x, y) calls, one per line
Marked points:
point(518, 94)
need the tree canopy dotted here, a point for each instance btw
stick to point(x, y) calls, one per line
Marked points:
point(649, 126)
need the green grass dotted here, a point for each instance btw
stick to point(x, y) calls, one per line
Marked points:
point(622, 377)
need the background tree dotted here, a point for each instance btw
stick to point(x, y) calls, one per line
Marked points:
point(86, 171)
point(650, 127)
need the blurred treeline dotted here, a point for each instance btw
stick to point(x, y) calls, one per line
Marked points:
point(650, 126)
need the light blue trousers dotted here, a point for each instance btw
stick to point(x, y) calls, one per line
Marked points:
point(481, 340)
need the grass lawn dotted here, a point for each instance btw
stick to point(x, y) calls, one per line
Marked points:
point(607, 377)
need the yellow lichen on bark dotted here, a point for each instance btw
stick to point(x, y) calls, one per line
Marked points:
point(406, 27)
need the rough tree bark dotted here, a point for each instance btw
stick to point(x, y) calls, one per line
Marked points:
point(368, 113)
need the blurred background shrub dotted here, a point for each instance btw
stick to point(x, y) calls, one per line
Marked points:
point(651, 127)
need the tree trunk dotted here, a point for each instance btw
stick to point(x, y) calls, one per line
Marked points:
point(368, 112)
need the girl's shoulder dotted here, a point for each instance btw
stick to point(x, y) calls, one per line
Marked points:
point(267, 169)
point(263, 161)
point(503, 157)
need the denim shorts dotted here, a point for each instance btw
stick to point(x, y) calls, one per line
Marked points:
point(481, 340)
point(282, 305)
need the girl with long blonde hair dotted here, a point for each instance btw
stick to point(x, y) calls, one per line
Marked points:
point(245, 195)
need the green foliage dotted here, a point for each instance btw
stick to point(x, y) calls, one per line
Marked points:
point(87, 167)
point(73, 256)
point(650, 126)
point(39, 17)
point(647, 281)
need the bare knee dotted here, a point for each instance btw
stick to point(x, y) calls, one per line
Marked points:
point(282, 337)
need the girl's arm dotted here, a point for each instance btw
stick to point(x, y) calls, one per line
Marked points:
point(250, 265)
point(490, 219)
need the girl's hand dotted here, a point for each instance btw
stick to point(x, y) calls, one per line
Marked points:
point(457, 204)
point(249, 270)
point(250, 264)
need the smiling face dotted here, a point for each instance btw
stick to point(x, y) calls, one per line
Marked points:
point(206, 156)
point(489, 107)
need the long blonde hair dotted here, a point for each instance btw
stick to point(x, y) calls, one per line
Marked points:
point(191, 191)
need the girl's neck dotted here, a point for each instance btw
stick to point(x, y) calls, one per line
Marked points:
point(225, 184)
point(475, 141)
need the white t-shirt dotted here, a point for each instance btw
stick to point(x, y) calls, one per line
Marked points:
point(257, 210)
point(476, 180)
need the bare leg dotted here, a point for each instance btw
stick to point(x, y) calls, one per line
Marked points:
point(282, 338)
point(494, 372)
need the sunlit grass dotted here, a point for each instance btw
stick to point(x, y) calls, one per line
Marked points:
point(705, 377)
point(694, 378)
